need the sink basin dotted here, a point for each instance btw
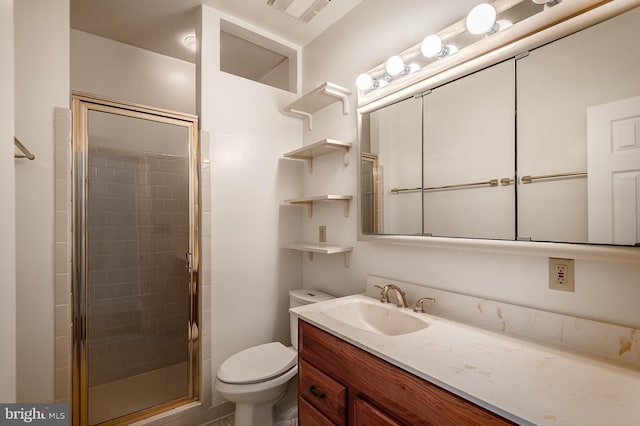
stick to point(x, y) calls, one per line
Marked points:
point(370, 315)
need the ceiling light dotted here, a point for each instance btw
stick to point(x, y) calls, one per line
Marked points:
point(482, 20)
point(432, 46)
point(191, 42)
point(395, 66)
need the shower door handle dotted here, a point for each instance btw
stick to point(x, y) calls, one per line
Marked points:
point(189, 262)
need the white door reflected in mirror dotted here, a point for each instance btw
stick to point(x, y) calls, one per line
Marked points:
point(613, 151)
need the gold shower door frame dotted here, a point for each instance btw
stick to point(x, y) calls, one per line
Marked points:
point(82, 104)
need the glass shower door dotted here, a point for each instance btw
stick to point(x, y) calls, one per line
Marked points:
point(139, 306)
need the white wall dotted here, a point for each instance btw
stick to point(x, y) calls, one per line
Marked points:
point(364, 38)
point(251, 272)
point(107, 68)
point(7, 210)
point(41, 84)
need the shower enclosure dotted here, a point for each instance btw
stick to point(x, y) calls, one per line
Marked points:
point(135, 261)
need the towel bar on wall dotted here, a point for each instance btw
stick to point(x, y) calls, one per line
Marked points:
point(531, 179)
point(491, 183)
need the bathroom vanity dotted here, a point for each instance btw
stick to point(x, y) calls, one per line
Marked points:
point(466, 361)
point(343, 385)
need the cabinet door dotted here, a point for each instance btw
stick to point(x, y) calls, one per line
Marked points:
point(365, 414)
point(309, 416)
point(321, 391)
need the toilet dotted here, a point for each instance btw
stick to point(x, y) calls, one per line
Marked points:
point(257, 378)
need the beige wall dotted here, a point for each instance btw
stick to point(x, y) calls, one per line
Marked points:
point(7, 210)
point(41, 84)
point(368, 35)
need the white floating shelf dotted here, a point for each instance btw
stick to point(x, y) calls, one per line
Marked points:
point(308, 201)
point(312, 248)
point(323, 147)
point(318, 99)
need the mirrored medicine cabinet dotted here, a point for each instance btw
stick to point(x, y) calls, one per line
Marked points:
point(541, 146)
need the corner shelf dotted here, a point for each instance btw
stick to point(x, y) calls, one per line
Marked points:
point(308, 201)
point(312, 248)
point(318, 99)
point(323, 147)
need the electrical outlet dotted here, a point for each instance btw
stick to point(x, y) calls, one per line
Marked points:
point(322, 234)
point(561, 274)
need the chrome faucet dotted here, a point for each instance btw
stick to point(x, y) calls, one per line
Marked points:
point(401, 298)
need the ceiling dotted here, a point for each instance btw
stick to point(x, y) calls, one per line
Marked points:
point(162, 25)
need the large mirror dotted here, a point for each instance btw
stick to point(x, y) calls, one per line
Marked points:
point(542, 147)
point(390, 150)
point(576, 184)
point(468, 156)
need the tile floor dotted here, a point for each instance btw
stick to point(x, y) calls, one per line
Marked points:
point(225, 421)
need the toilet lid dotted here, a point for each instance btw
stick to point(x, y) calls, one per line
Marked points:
point(258, 363)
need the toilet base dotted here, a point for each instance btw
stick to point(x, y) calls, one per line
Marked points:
point(254, 414)
point(278, 411)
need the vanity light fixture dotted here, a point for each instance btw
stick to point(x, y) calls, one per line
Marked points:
point(503, 24)
point(413, 67)
point(432, 46)
point(365, 82)
point(482, 20)
point(395, 66)
point(547, 3)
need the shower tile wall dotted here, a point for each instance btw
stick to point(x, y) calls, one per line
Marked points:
point(138, 287)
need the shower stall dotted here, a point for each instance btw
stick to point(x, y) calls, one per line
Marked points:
point(135, 261)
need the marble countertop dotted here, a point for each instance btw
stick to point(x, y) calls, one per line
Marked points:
point(523, 381)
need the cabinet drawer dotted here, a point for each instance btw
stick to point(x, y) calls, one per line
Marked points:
point(309, 416)
point(321, 391)
point(365, 414)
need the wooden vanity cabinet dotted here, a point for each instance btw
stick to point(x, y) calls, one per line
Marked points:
point(340, 384)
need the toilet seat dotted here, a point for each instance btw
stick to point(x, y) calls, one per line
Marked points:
point(258, 364)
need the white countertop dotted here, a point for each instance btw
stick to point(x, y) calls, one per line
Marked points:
point(525, 382)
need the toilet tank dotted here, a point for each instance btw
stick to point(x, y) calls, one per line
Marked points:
point(301, 297)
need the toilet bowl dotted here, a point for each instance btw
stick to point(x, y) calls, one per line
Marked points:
point(257, 378)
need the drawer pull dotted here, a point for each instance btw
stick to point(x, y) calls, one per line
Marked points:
point(315, 393)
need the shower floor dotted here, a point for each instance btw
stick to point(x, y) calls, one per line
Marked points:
point(126, 396)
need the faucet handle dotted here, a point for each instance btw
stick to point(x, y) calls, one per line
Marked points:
point(419, 304)
point(384, 297)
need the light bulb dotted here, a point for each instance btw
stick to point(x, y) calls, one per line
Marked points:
point(432, 46)
point(481, 19)
point(547, 3)
point(394, 65)
point(503, 24)
point(364, 82)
